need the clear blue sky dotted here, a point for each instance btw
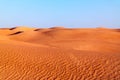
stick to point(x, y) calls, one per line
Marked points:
point(68, 13)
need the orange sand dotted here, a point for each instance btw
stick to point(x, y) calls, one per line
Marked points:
point(59, 53)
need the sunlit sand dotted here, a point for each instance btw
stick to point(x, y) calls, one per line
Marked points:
point(59, 53)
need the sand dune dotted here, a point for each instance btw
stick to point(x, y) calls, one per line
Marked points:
point(59, 53)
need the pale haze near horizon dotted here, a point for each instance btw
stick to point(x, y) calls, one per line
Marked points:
point(67, 13)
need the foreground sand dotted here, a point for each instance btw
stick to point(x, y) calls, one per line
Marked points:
point(59, 54)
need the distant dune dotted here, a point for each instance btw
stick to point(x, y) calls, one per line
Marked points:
point(59, 53)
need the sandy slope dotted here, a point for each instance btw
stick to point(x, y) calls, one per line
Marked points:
point(59, 53)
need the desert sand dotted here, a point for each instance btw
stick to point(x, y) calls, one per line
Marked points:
point(59, 53)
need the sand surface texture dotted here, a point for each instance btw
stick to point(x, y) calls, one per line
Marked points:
point(59, 53)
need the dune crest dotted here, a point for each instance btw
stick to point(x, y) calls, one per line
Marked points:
point(57, 27)
point(59, 53)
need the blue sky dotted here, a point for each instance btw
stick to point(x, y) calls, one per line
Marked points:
point(68, 13)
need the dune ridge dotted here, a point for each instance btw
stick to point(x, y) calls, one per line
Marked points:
point(59, 53)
